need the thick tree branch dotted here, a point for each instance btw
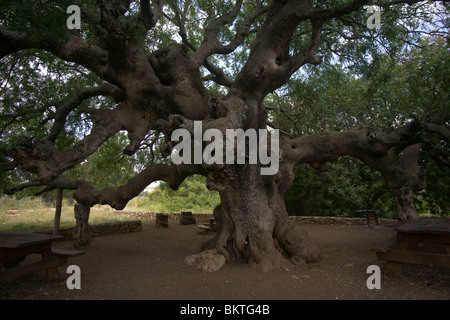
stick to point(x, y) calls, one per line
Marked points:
point(375, 147)
point(118, 198)
point(8, 165)
point(268, 65)
point(338, 11)
point(44, 159)
point(13, 190)
point(363, 142)
point(73, 49)
point(71, 104)
point(13, 41)
point(217, 75)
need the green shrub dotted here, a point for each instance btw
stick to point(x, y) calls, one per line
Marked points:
point(191, 195)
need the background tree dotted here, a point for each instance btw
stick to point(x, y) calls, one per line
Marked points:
point(389, 92)
point(132, 75)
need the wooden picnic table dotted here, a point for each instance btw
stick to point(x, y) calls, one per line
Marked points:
point(16, 246)
point(208, 227)
point(212, 222)
point(370, 213)
point(419, 241)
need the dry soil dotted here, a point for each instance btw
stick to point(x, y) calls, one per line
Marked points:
point(150, 265)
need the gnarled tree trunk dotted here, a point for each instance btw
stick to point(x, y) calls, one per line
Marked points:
point(253, 225)
point(405, 203)
point(403, 178)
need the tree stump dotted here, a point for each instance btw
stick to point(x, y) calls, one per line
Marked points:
point(187, 218)
point(162, 220)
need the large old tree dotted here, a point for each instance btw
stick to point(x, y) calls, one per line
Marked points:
point(148, 68)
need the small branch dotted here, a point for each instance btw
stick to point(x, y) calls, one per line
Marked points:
point(148, 16)
point(270, 124)
point(217, 75)
point(309, 55)
point(13, 41)
point(80, 95)
point(409, 2)
point(211, 45)
point(180, 21)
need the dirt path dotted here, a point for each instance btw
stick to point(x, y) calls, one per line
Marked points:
point(150, 265)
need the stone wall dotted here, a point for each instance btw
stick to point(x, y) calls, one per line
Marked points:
point(103, 229)
point(98, 230)
point(201, 218)
point(341, 220)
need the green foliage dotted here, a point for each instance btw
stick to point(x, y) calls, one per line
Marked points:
point(389, 92)
point(34, 213)
point(191, 195)
point(20, 15)
point(347, 186)
point(109, 167)
point(436, 198)
point(33, 85)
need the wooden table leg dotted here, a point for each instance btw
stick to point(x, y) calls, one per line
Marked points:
point(52, 273)
point(393, 268)
point(13, 262)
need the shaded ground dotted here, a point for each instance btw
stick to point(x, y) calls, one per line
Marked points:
point(150, 265)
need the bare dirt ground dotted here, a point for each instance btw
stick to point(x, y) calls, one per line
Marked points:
point(150, 265)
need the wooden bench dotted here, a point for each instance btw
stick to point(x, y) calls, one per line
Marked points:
point(420, 241)
point(204, 227)
point(65, 254)
point(50, 264)
point(15, 247)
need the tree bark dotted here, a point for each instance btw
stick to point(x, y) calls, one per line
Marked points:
point(253, 225)
point(403, 178)
point(405, 203)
